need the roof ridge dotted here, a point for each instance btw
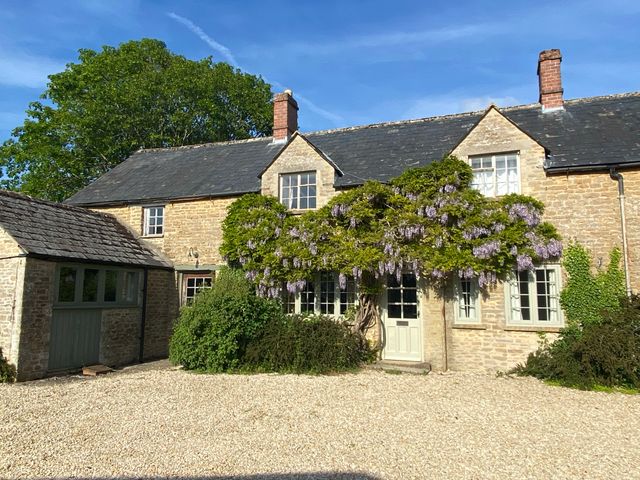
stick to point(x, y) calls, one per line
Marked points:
point(78, 209)
point(200, 145)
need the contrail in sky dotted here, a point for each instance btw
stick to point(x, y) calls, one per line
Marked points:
point(226, 53)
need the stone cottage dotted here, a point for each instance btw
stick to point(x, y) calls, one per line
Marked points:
point(77, 288)
point(580, 157)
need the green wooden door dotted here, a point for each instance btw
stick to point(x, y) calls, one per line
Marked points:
point(75, 338)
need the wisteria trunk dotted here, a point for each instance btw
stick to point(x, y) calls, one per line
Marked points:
point(367, 314)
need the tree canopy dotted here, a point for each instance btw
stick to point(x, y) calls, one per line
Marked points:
point(429, 221)
point(98, 111)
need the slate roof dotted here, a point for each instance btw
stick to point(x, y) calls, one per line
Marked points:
point(589, 133)
point(54, 231)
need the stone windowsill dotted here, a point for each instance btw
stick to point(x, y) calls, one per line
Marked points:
point(524, 328)
point(469, 326)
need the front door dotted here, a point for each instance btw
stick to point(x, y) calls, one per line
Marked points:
point(402, 332)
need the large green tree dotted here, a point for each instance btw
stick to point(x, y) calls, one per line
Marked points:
point(98, 111)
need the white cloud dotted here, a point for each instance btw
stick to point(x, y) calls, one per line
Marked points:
point(218, 47)
point(24, 70)
point(336, 119)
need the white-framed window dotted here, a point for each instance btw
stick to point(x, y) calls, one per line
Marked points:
point(495, 175)
point(90, 285)
point(322, 296)
point(533, 297)
point(153, 221)
point(298, 190)
point(192, 284)
point(402, 296)
point(467, 307)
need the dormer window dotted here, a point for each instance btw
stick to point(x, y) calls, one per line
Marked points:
point(298, 190)
point(495, 175)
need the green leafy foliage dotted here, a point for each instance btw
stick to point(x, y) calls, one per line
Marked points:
point(587, 294)
point(213, 332)
point(311, 344)
point(7, 370)
point(98, 111)
point(606, 352)
point(429, 220)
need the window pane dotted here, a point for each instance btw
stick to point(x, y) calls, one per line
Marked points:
point(410, 311)
point(312, 202)
point(409, 280)
point(131, 287)
point(523, 289)
point(67, 284)
point(110, 285)
point(409, 295)
point(90, 285)
point(394, 295)
point(307, 298)
point(395, 311)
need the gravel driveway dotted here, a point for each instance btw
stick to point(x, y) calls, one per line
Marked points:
point(160, 422)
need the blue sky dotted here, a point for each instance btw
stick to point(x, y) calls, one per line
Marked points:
point(347, 62)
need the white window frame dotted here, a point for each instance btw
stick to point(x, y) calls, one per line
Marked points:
point(294, 196)
point(152, 230)
point(494, 174)
point(203, 277)
point(402, 303)
point(513, 299)
point(296, 301)
point(461, 317)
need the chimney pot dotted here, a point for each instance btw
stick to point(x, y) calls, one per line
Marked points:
point(285, 116)
point(550, 80)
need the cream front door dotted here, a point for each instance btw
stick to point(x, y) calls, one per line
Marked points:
point(402, 329)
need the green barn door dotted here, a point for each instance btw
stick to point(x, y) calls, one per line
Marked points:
point(75, 338)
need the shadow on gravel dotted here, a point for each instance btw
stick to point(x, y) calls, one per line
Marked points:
point(265, 476)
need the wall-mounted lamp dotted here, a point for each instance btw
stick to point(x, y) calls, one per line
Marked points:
point(193, 254)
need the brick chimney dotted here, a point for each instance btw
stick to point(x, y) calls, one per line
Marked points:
point(285, 116)
point(550, 80)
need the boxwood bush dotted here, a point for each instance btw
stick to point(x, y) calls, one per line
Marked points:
point(212, 333)
point(229, 329)
point(7, 370)
point(306, 344)
point(600, 353)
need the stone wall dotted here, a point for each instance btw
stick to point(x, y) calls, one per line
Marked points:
point(11, 289)
point(37, 311)
point(120, 336)
point(162, 311)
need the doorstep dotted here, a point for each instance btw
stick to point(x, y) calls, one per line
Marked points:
point(417, 368)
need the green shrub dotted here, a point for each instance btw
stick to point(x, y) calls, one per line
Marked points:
point(212, 333)
point(7, 370)
point(606, 352)
point(587, 295)
point(306, 344)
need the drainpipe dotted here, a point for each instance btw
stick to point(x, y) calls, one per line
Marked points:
point(625, 248)
point(143, 316)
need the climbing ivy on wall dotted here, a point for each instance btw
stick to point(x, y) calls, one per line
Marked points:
point(589, 291)
point(429, 221)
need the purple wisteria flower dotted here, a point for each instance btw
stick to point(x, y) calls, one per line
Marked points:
point(242, 260)
point(438, 242)
point(313, 248)
point(444, 218)
point(430, 212)
point(342, 280)
point(267, 272)
point(296, 262)
point(554, 247)
point(285, 262)
point(524, 262)
point(448, 188)
point(388, 249)
point(411, 197)
point(475, 232)
point(339, 210)
point(498, 227)
point(251, 245)
point(487, 278)
point(357, 272)
point(437, 273)
point(486, 250)
point(278, 252)
point(296, 286)
point(251, 275)
point(466, 273)
point(353, 223)
point(529, 214)
point(514, 250)
point(410, 232)
point(294, 232)
point(277, 231)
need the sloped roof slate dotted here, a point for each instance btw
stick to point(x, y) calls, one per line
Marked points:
point(52, 230)
point(588, 133)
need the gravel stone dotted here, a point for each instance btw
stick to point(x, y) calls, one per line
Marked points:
point(166, 423)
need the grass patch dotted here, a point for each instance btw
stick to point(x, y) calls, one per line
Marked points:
point(595, 388)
